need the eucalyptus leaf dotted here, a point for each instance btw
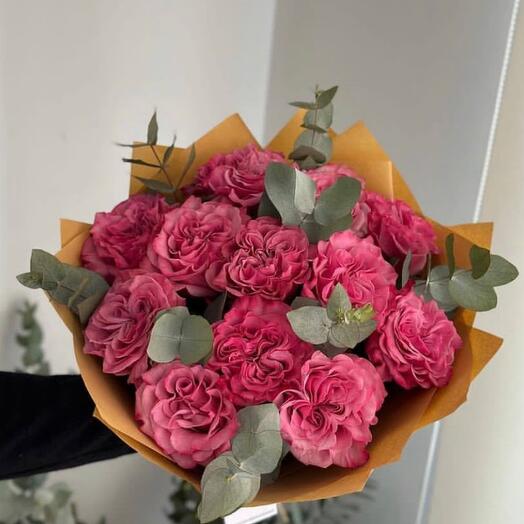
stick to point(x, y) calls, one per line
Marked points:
point(158, 186)
point(438, 287)
point(266, 208)
point(197, 339)
point(337, 201)
point(304, 197)
point(316, 232)
point(499, 273)
point(215, 310)
point(303, 105)
point(316, 141)
point(299, 302)
point(310, 323)
point(189, 162)
point(471, 293)
point(280, 182)
point(338, 303)
point(319, 119)
point(166, 335)
point(325, 97)
point(152, 130)
point(348, 335)
point(257, 445)
point(480, 261)
point(450, 243)
point(225, 489)
point(404, 276)
point(304, 152)
point(30, 280)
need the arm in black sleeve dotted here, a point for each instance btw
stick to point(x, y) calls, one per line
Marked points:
point(47, 423)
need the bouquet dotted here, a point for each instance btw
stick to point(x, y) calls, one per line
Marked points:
point(272, 324)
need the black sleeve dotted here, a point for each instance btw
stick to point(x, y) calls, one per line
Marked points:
point(47, 423)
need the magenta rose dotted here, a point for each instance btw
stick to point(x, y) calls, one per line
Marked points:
point(357, 264)
point(256, 351)
point(268, 260)
point(236, 177)
point(397, 230)
point(325, 176)
point(119, 329)
point(118, 240)
point(186, 412)
point(194, 236)
point(327, 419)
point(416, 344)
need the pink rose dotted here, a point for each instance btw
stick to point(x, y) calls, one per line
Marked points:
point(325, 176)
point(192, 237)
point(358, 265)
point(397, 229)
point(268, 260)
point(236, 177)
point(256, 351)
point(119, 239)
point(186, 412)
point(416, 344)
point(327, 419)
point(119, 329)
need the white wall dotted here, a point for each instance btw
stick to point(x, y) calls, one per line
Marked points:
point(481, 460)
point(75, 76)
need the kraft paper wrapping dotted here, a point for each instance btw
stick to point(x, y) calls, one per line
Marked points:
point(403, 412)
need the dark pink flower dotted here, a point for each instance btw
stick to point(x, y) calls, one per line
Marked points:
point(268, 260)
point(327, 419)
point(358, 265)
point(236, 177)
point(325, 176)
point(119, 239)
point(397, 229)
point(194, 236)
point(256, 351)
point(416, 344)
point(119, 329)
point(186, 412)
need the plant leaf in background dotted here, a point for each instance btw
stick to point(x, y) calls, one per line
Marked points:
point(177, 333)
point(233, 479)
point(337, 201)
point(152, 131)
point(313, 147)
point(76, 287)
point(471, 288)
point(215, 310)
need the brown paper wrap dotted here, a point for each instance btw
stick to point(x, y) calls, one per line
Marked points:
point(403, 412)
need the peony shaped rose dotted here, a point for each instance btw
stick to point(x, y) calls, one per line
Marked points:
point(325, 176)
point(256, 351)
point(416, 344)
point(397, 230)
point(186, 412)
point(236, 177)
point(358, 265)
point(118, 240)
point(194, 236)
point(119, 329)
point(268, 260)
point(327, 419)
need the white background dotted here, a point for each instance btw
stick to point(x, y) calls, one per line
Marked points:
point(76, 76)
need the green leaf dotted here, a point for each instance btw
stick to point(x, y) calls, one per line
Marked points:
point(168, 152)
point(310, 323)
point(197, 339)
point(152, 130)
point(304, 105)
point(338, 303)
point(139, 162)
point(319, 142)
point(499, 273)
point(337, 201)
point(280, 182)
point(46, 264)
point(450, 242)
point(320, 119)
point(404, 276)
point(215, 310)
point(350, 334)
point(176, 333)
point(303, 152)
point(266, 208)
point(225, 488)
point(480, 261)
point(189, 163)
point(316, 232)
point(30, 280)
point(257, 445)
point(325, 97)
point(156, 185)
point(470, 293)
point(438, 287)
point(299, 302)
point(304, 197)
